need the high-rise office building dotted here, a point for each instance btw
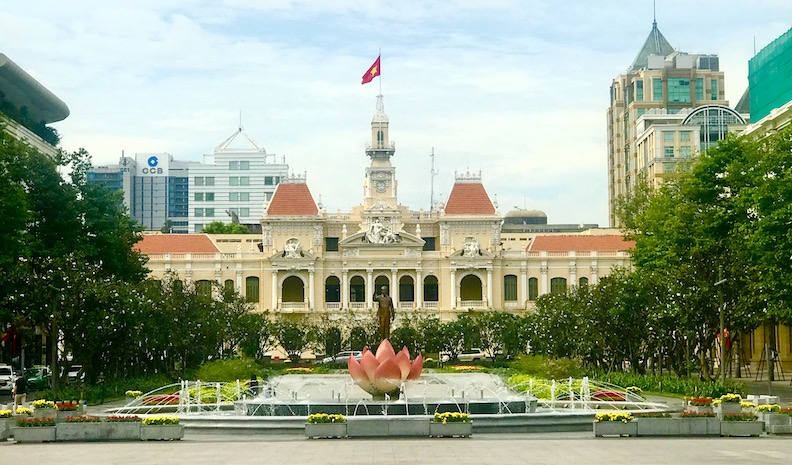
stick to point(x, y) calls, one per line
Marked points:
point(661, 86)
point(155, 189)
point(233, 183)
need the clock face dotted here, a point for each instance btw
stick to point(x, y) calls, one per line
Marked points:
point(381, 175)
point(381, 185)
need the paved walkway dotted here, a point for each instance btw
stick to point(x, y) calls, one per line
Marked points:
point(501, 449)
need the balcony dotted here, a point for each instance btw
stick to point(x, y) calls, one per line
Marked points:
point(407, 305)
point(430, 305)
point(472, 304)
point(293, 307)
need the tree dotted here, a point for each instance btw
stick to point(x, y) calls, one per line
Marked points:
point(218, 227)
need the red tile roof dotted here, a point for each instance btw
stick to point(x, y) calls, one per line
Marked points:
point(469, 199)
point(175, 243)
point(569, 243)
point(292, 199)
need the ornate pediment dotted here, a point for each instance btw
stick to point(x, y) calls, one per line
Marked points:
point(388, 240)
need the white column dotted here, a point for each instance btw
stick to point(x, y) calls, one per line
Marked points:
point(345, 289)
point(394, 289)
point(572, 274)
point(543, 284)
point(523, 297)
point(274, 290)
point(369, 288)
point(489, 287)
point(453, 290)
point(310, 289)
point(418, 290)
point(594, 271)
point(239, 278)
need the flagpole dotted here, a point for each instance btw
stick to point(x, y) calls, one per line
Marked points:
point(379, 55)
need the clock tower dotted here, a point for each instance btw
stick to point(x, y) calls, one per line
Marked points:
point(379, 186)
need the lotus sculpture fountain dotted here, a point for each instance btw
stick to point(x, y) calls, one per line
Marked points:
point(383, 374)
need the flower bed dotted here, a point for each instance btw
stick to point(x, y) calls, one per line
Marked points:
point(325, 425)
point(451, 424)
point(161, 427)
point(608, 395)
point(320, 418)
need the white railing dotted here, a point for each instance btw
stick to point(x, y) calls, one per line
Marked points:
point(333, 305)
point(430, 305)
point(471, 304)
point(357, 305)
point(406, 304)
point(512, 304)
point(293, 305)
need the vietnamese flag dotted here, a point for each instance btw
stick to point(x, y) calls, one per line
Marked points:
point(372, 72)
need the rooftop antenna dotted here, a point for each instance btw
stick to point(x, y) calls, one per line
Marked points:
point(240, 120)
point(432, 174)
point(654, 12)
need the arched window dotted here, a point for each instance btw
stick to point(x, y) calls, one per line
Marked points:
point(251, 289)
point(510, 288)
point(533, 289)
point(203, 287)
point(381, 281)
point(470, 288)
point(431, 292)
point(583, 281)
point(357, 289)
point(293, 290)
point(406, 289)
point(380, 139)
point(332, 289)
point(558, 285)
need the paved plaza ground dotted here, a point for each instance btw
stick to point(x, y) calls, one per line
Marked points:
point(500, 449)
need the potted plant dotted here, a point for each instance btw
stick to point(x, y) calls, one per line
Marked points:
point(79, 428)
point(5, 424)
point(44, 408)
point(741, 424)
point(34, 429)
point(161, 427)
point(728, 404)
point(450, 424)
point(67, 409)
point(692, 423)
point(783, 428)
point(615, 424)
point(770, 415)
point(325, 425)
point(700, 404)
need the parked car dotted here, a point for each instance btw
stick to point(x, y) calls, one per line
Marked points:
point(469, 355)
point(7, 378)
point(342, 357)
point(76, 374)
point(38, 377)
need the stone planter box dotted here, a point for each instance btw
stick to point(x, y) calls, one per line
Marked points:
point(678, 426)
point(773, 419)
point(34, 434)
point(161, 432)
point(374, 426)
point(325, 430)
point(780, 429)
point(62, 414)
point(615, 428)
point(98, 431)
point(6, 425)
point(700, 408)
point(741, 428)
point(449, 430)
point(45, 413)
point(728, 408)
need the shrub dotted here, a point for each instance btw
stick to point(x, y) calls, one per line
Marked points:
point(228, 370)
point(692, 414)
point(774, 408)
point(623, 417)
point(24, 411)
point(83, 419)
point(161, 420)
point(700, 401)
point(670, 384)
point(67, 406)
point(122, 418)
point(541, 366)
point(746, 404)
point(133, 393)
point(731, 398)
point(317, 418)
point(739, 417)
point(43, 403)
point(35, 422)
point(5, 413)
point(451, 417)
point(653, 415)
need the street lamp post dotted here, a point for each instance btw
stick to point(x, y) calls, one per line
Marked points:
point(721, 280)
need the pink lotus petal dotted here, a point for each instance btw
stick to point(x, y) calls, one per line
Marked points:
point(356, 370)
point(402, 360)
point(406, 352)
point(385, 351)
point(365, 349)
point(417, 368)
point(388, 376)
point(370, 365)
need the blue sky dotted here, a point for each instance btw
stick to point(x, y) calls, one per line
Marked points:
point(516, 89)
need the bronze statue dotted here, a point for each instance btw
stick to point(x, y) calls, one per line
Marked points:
point(385, 312)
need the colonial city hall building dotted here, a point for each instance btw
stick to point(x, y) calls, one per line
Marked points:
point(458, 257)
